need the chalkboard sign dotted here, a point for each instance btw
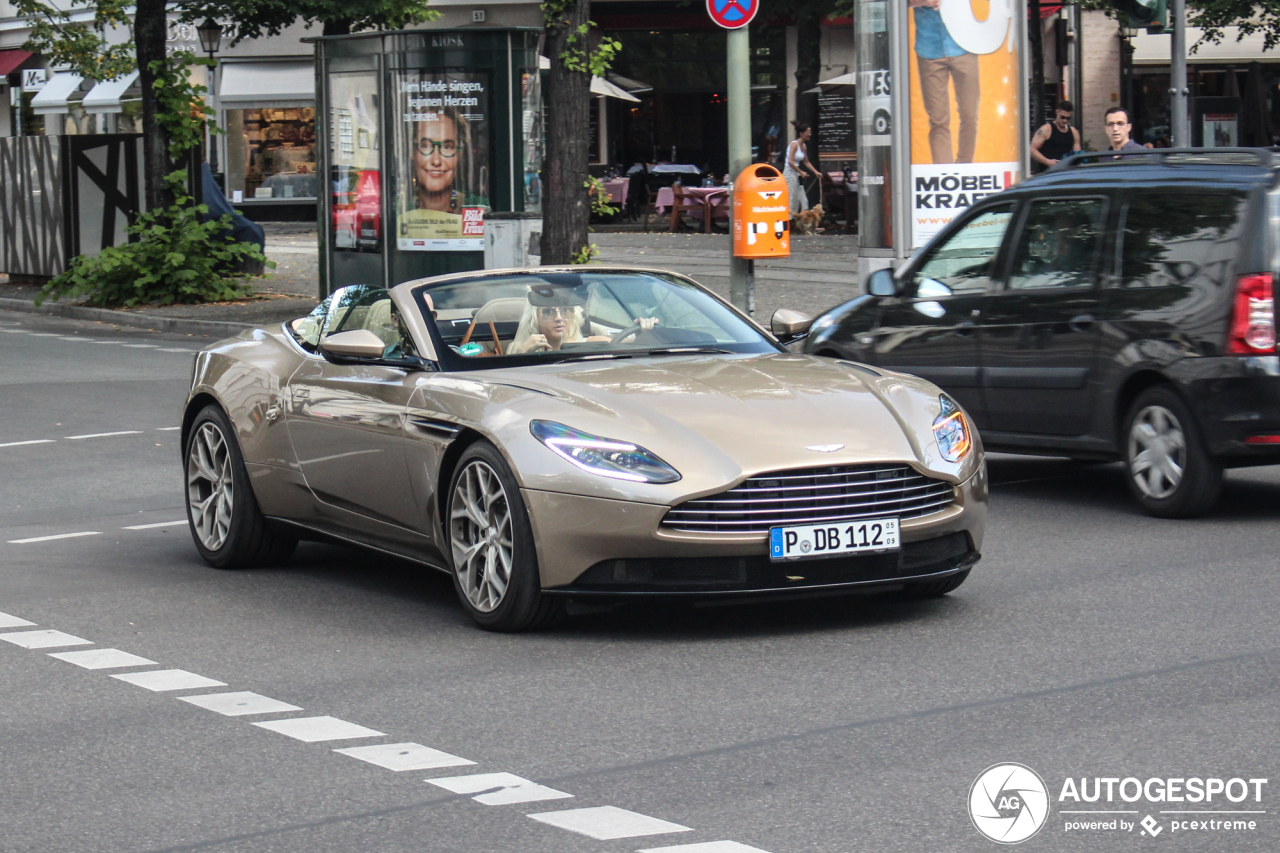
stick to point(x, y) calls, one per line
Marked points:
point(837, 127)
point(594, 154)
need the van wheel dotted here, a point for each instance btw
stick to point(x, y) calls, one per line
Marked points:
point(1169, 471)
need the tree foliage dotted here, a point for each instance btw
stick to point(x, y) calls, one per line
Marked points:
point(249, 19)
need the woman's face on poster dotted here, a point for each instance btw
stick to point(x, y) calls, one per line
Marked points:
point(435, 154)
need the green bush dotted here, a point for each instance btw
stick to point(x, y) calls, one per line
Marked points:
point(173, 256)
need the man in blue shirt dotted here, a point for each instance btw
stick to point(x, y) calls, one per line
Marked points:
point(940, 59)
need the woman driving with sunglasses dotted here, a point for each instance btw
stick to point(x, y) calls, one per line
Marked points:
point(553, 317)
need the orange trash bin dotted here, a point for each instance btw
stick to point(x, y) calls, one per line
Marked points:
point(761, 213)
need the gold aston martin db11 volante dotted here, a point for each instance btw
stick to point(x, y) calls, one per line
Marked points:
point(552, 433)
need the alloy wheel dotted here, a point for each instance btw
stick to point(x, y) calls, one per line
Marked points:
point(210, 485)
point(1157, 452)
point(480, 535)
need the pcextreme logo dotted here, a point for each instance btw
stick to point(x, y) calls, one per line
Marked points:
point(1008, 803)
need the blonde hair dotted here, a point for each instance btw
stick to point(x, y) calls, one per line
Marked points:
point(529, 325)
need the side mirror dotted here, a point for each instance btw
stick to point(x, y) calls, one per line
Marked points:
point(790, 323)
point(357, 343)
point(881, 283)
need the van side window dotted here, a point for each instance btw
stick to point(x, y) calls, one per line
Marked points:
point(1179, 238)
point(963, 263)
point(1059, 243)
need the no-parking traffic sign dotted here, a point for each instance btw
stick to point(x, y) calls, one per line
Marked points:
point(732, 14)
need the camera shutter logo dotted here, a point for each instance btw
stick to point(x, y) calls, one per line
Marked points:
point(1008, 803)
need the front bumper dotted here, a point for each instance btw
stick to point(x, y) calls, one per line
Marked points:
point(596, 546)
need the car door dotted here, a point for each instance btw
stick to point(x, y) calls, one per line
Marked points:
point(931, 329)
point(347, 420)
point(1039, 332)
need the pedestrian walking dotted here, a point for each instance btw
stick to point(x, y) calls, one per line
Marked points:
point(797, 162)
point(1056, 139)
point(1118, 129)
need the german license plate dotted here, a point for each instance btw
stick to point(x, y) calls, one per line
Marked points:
point(825, 540)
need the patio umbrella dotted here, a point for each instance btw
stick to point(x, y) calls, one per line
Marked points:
point(1255, 118)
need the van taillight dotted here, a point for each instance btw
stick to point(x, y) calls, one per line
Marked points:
point(1253, 319)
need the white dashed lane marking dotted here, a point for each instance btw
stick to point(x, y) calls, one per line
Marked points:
point(102, 658)
point(404, 756)
point(706, 847)
point(157, 524)
point(316, 729)
point(43, 639)
point(104, 434)
point(32, 441)
point(141, 346)
point(502, 789)
point(605, 823)
point(7, 621)
point(160, 680)
point(236, 704)
point(166, 429)
point(55, 536)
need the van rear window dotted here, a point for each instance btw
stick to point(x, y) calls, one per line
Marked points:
point(1181, 238)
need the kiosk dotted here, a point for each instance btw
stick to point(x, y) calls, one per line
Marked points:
point(423, 135)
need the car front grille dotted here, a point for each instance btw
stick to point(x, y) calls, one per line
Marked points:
point(813, 496)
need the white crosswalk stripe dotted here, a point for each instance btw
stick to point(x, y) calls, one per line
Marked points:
point(605, 823)
point(500, 789)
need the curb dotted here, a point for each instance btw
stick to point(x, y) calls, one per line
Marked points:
point(137, 320)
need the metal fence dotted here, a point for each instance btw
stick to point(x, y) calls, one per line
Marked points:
point(62, 196)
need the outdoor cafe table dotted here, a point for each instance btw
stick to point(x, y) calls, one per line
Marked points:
point(712, 198)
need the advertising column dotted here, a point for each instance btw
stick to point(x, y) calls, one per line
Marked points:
point(966, 116)
point(443, 140)
point(875, 125)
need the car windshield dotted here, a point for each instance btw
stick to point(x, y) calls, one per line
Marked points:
point(503, 320)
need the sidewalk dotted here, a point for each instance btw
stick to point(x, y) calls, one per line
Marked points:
point(821, 272)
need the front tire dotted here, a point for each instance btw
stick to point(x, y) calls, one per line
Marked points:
point(495, 563)
point(1168, 469)
point(229, 529)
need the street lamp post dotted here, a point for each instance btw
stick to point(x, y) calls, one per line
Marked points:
point(210, 33)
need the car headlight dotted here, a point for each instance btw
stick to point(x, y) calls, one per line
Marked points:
point(951, 431)
point(604, 456)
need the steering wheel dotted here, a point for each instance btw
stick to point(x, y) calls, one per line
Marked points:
point(629, 331)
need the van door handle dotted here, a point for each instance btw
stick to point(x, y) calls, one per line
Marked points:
point(1082, 323)
point(965, 328)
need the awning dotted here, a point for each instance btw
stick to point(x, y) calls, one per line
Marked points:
point(1153, 48)
point(52, 99)
point(835, 84)
point(106, 96)
point(627, 84)
point(11, 59)
point(600, 86)
point(254, 85)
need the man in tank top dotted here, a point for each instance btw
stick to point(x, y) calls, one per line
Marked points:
point(1055, 140)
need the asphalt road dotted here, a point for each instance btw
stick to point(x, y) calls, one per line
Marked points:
point(1090, 641)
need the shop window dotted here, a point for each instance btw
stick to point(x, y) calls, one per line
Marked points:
point(271, 153)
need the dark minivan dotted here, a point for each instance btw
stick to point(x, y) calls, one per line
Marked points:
point(1114, 307)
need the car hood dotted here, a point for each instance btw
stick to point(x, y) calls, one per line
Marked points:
point(718, 418)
